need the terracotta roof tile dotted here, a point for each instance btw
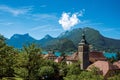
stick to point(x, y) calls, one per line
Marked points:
point(95, 56)
point(117, 64)
point(49, 55)
point(104, 66)
point(73, 57)
point(59, 59)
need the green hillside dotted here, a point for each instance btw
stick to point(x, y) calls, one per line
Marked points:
point(68, 40)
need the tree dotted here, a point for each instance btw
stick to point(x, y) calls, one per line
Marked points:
point(116, 77)
point(84, 75)
point(72, 77)
point(76, 74)
point(29, 62)
point(20, 67)
point(63, 69)
point(7, 59)
point(74, 69)
point(46, 72)
point(88, 75)
point(53, 65)
point(118, 55)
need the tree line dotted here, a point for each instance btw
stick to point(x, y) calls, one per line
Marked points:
point(28, 64)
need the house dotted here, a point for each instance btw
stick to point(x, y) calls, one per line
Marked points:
point(72, 59)
point(93, 57)
point(58, 59)
point(117, 64)
point(96, 56)
point(105, 68)
point(50, 56)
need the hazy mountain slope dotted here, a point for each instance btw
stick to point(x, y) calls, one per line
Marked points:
point(93, 37)
point(51, 43)
point(60, 44)
point(67, 40)
point(18, 40)
point(44, 41)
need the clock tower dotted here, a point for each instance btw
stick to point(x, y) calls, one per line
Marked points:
point(83, 52)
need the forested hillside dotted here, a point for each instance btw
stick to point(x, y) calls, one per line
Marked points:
point(70, 39)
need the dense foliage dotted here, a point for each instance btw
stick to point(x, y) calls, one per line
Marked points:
point(7, 59)
point(28, 64)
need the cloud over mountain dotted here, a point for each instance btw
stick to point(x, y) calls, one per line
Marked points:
point(69, 20)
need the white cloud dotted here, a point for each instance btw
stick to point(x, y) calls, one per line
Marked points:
point(68, 21)
point(45, 28)
point(39, 27)
point(14, 11)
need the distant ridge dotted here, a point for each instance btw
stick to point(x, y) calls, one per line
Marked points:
point(93, 37)
point(69, 39)
point(18, 40)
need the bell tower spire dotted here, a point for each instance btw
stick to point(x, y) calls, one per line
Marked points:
point(83, 52)
point(83, 40)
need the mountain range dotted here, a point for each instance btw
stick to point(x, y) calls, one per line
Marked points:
point(67, 41)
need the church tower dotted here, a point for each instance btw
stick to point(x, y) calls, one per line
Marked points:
point(83, 52)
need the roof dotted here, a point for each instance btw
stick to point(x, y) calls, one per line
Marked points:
point(59, 59)
point(73, 57)
point(49, 55)
point(104, 67)
point(117, 64)
point(95, 56)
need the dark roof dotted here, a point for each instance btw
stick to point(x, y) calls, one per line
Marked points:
point(95, 56)
point(73, 57)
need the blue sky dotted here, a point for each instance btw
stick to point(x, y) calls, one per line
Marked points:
point(41, 17)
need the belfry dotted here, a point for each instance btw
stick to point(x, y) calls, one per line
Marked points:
point(83, 52)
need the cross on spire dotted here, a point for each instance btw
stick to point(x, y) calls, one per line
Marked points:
point(83, 40)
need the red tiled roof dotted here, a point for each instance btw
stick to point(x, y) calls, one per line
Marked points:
point(95, 56)
point(104, 66)
point(49, 55)
point(59, 59)
point(117, 64)
point(73, 57)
